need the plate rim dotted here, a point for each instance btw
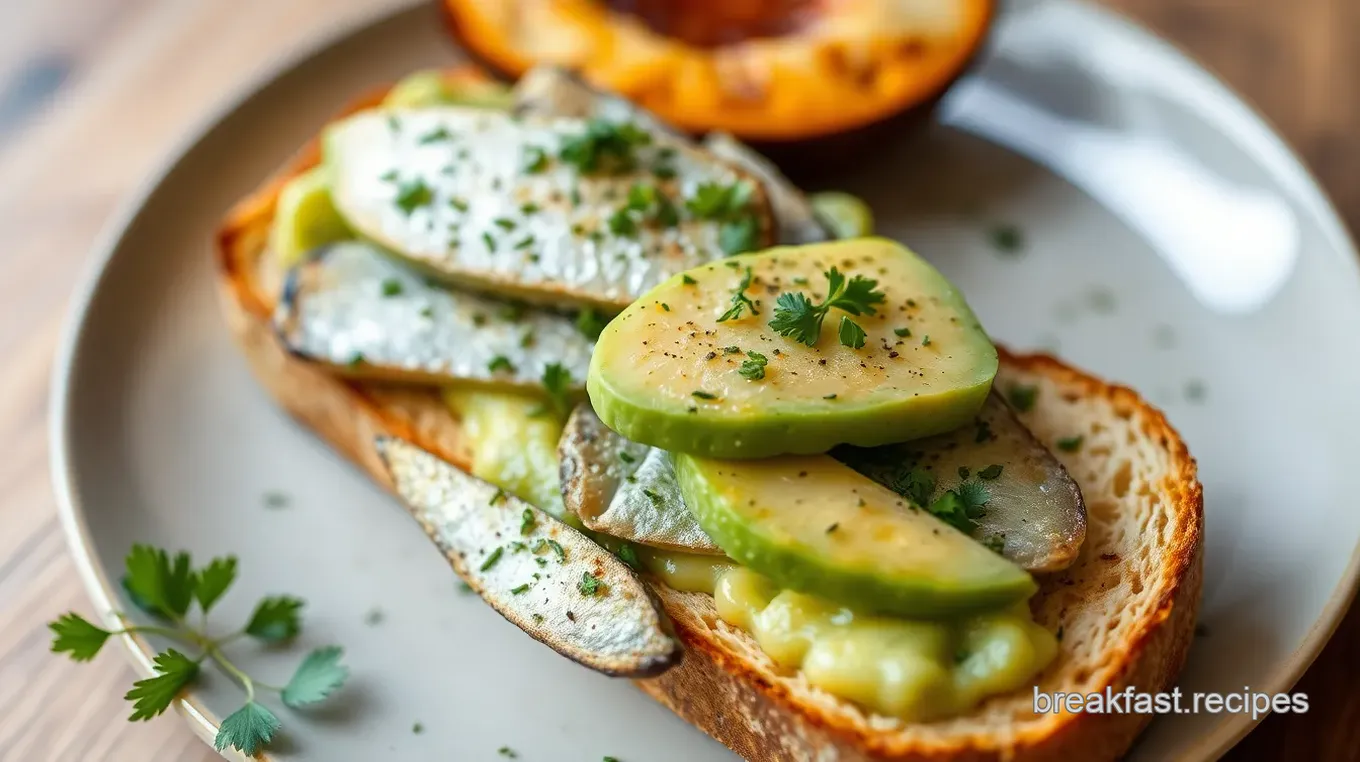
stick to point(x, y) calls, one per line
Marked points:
point(204, 723)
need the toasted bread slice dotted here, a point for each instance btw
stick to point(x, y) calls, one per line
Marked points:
point(1125, 611)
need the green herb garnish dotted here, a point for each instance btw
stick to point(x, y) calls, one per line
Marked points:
point(1007, 239)
point(492, 559)
point(703, 395)
point(739, 300)
point(605, 146)
point(168, 587)
point(1022, 397)
point(413, 194)
point(499, 363)
point(590, 323)
point(851, 334)
point(902, 333)
point(535, 160)
point(797, 317)
point(527, 522)
point(753, 368)
point(1071, 444)
point(589, 584)
point(990, 472)
point(688, 281)
point(556, 382)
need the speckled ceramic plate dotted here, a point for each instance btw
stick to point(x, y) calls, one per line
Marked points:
point(1090, 189)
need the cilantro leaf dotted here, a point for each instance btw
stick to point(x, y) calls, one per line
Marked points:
point(76, 635)
point(556, 380)
point(275, 619)
point(858, 297)
point(248, 729)
point(153, 695)
point(213, 580)
point(165, 587)
point(851, 334)
point(753, 368)
point(316, 677)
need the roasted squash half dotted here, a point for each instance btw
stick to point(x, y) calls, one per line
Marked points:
point(768, 71)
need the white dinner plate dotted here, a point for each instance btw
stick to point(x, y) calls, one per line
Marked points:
point(1170, 242)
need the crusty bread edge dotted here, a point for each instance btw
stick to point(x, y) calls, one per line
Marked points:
point(711, 689)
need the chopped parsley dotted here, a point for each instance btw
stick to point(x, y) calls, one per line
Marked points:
point(621, 223)
point(797, 317)
point(688, 281)
point(1006, 238)
point(524, 588)
point(489, 241)
point(729, 205)
point(654, 496)
point(627, 457)
point(499, 363)
point(535, 160)
point(995, 543)
point(628, 555)
point(925, 340)
point(590, 584)
point(504, 223)
point(851, 334)
point(605, 146)
point(1022, 397)
point(740, 300)
point(412, 195)
point(459, 204)
point(590, 323)
point(1071, 444)
point(829, 397)
point(703, 395)
point(753, 368)
point(434, 136)
point(492, 559)
point(902, 333)
point(989, 473)
point(556, 380)
point(738, 236)
point(527, 521)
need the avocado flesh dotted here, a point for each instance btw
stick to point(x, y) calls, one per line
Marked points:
point(305, 218)
point(1034, 511)
point(814, 525)
point(662, 372)
point(431, 88)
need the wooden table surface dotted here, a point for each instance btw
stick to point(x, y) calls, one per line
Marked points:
point(93, 93)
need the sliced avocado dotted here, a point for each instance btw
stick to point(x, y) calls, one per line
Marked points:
point(513, 438)
point(305, 218)
point(432, 87)
point(555, 211)
point(847, 216)
point(352, 307)
point(814, 525)
point(1017, 497)
point(699, 366)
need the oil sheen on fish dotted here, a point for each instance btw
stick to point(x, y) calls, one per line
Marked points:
point(351, 306)
point(545, 577)
point(552, 210)
point(625, 489)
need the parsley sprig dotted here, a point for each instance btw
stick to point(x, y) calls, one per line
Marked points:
point(797, 317)
point(740, 300)
point(167, 588)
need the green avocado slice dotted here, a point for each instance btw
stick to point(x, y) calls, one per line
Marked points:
point(305, 218)
point(699, 364)
point(814, 525)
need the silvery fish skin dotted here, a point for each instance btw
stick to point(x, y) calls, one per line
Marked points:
point(351, 306)
point(1036, 508)
point(551, 91)
point(798, 223)
point(451, 189)
point(533, 569)
point(625, 489)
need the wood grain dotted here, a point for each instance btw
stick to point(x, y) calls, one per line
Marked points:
point(93, 93)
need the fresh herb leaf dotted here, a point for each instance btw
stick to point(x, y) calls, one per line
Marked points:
point(248, 729)
point(497, 497)
point(590, 323)
point(320, 674)
point(275, 619)
point(434, 136)
point(77, 636)
point(739, 300)
point(589, 584)
point(492, 559)
point(797, 317)
point(738, 236)
point(1022, 397)
point(213, 580)
point(703, 395)
point(527, 521)
point(506, 751)
point(412, 195)
point(628, 554)
point(990, 472)
point(604, 146)
point(556, 382)
point(499, 363)
point(753, 368)
point(153, 695)
point(997, 544)
point(627, 457)
point(974, 497)
point(167, 587)
point(925, 340)
point(520, 589)
point(917, 484)
point(851, 334)
point(622, 223)
point(1071, 444)
point(902, 333)
point(535, 160)
point(950, 509)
